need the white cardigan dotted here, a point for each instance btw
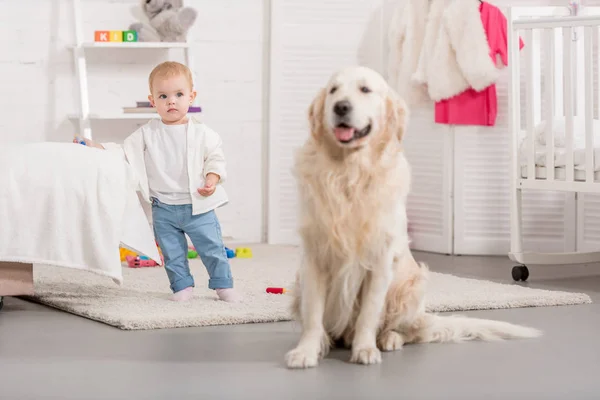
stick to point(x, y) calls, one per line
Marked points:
point(204, 155)
point(438, 49)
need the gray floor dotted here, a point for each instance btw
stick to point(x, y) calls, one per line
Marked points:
point(47, 354)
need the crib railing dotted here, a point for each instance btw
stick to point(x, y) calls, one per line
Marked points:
point(568, 91)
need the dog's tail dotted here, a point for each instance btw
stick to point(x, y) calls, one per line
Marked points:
point(436, 328)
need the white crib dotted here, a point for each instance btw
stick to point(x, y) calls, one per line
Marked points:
point(555, 130)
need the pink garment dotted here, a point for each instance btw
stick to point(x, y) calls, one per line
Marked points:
point(479, 108)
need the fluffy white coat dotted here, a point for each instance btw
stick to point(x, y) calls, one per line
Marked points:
point(439, 49)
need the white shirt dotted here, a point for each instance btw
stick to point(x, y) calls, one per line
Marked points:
point(204, 154)
point(166, 165)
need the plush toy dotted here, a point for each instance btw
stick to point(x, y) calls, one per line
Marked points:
point(168, 21)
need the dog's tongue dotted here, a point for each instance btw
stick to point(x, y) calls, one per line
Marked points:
point(344, 134)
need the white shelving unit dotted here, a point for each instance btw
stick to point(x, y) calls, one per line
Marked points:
point(135, 45)
point(79, 53)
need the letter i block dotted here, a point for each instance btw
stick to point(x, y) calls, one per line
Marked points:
point(101, 36)
point(129, 36)
point(116, 36)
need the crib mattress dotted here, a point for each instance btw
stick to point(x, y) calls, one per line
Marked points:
point(560, 157)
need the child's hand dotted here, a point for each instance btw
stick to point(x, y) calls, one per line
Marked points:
point(210, 185)
point(87, 142)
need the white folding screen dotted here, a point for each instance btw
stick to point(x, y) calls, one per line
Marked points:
point(310, 39)
point(429, 150)
point(588, 205)
point(588, 219)
point(481, 190)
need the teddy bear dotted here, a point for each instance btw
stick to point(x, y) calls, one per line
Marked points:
point(168, 21)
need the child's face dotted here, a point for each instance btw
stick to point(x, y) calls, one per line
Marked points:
point(172, 98)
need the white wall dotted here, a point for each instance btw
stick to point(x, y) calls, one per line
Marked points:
point(39, 88)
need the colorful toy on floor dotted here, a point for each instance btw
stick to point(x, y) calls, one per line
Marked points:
point(276, 290)
point(243, 252)
point(230, 252)
point(115, 36)
point(126, 252)
point(137, 262)
point(192, 253)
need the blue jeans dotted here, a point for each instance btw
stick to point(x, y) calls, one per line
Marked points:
point(171, 223)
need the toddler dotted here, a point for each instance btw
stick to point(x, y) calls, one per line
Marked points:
point(180, 165)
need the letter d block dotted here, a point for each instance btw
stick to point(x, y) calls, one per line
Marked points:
point(129, 36)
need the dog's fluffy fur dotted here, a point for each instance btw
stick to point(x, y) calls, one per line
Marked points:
point(359, 283)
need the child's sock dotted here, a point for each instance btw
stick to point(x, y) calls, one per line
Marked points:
point(183, 295)
point(229, 295)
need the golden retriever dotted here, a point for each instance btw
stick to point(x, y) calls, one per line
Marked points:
point(358, 282)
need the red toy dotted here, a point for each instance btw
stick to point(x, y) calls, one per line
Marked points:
point(276, 290)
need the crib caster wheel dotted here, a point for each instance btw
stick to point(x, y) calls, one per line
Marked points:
point(520, 273)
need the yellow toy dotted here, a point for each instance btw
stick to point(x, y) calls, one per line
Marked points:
point(126, 252)
point(243, 252)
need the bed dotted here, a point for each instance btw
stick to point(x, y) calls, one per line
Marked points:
point(555, 131)
point(67, 205)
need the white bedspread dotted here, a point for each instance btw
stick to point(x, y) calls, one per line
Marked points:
point(69, 205)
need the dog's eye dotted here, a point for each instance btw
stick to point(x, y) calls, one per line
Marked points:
point(365, 89)
point(332, 90)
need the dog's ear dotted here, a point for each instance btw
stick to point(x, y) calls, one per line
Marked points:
point(398, 114)
point(315, 114)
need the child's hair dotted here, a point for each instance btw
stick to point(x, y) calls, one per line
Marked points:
point(168, 69)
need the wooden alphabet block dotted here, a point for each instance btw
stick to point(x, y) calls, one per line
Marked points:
point(129, 36)
point(101, 36)
point(116, 36)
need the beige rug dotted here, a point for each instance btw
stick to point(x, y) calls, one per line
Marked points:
point(142, 302)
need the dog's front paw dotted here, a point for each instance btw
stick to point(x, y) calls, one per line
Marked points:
point(366, 356)
point(301, 358)
point(390, 341)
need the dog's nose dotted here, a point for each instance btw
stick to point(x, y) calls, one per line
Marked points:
point(342, 107)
